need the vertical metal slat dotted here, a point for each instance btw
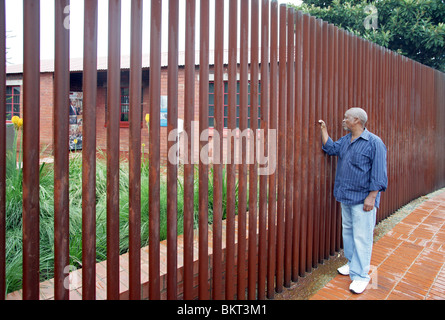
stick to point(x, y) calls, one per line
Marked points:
point(203, 167)
point(154, 148)
point(242, 143)
point(298, 123)
point(2, 150)
point(253, 168)
point(217, 289)
point(290, 105)
point(113, 136)
point(61, 149)
point(31, 141)
point(189, 108)
point(135, 151)
point(262, 207)
point(89, 151)
point(272, 208)
point(281, 149)
point(172, 167)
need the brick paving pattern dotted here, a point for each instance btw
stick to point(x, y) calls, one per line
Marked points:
point(408, 263)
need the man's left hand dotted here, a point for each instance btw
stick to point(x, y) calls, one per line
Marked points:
point(370, 201)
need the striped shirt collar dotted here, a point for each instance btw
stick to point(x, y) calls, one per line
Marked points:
point(365, 135)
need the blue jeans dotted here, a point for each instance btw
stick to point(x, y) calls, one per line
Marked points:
point(358, 234)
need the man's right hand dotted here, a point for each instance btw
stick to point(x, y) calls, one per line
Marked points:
point(324, 131)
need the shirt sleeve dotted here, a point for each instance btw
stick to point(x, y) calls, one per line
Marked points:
point(331, 148)
point(379, 178)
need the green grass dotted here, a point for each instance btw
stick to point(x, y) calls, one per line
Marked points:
point(14, 214)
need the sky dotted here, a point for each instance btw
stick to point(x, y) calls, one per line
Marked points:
point(14, 27)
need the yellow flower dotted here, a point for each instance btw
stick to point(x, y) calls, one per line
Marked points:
point(147, 118)
point(143, 144)
point(20, 124)
point(15, 121)
point(75, 141)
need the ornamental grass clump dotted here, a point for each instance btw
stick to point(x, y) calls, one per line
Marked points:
point(14, 195)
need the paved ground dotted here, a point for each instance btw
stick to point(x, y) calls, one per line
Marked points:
point(408, 260)
point(408, 263)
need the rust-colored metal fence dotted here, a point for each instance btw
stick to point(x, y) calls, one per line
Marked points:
point(308, 69)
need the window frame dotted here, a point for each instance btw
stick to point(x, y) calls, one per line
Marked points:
point(226, 104)
point(11, 95)
point(126, 124)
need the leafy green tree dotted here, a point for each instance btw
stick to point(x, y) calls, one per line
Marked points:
point(414, 28)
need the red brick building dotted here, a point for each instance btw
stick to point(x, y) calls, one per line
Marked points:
point(15, 91)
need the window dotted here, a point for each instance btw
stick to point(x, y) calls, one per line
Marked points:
point(125, 104)
point(125, 108)
point(12, 102)
point(226, 104)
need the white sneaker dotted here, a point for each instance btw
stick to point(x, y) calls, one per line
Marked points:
point(344, 270)
point(358, 286)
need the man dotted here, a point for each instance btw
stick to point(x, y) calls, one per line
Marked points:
point(361, 176)
point(73, 113)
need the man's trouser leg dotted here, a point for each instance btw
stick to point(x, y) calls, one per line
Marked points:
point(358, 232)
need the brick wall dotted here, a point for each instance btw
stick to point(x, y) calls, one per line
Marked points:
point(47, 123)
point(46, 112)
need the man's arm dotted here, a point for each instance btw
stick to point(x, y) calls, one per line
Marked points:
point(330, 147)
point(324, 132)
point(379, 178)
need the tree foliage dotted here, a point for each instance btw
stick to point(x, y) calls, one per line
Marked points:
point(414, 28)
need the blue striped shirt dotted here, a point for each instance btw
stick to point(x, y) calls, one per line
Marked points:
point(361, 167)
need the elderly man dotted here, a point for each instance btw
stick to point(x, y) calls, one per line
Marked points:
point(361, 176)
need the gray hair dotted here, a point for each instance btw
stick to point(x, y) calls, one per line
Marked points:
point(358, 113)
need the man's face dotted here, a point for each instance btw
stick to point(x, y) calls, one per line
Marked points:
point(348, 122)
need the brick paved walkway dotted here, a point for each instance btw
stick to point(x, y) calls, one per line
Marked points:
point(408, 263)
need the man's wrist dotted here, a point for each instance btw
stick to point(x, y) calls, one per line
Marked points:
point(373, 194)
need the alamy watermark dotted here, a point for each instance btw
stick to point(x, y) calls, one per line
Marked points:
point(373, 274)
point(66, 21)
point(211, 151)
point(72, 280)
point(372, 20)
